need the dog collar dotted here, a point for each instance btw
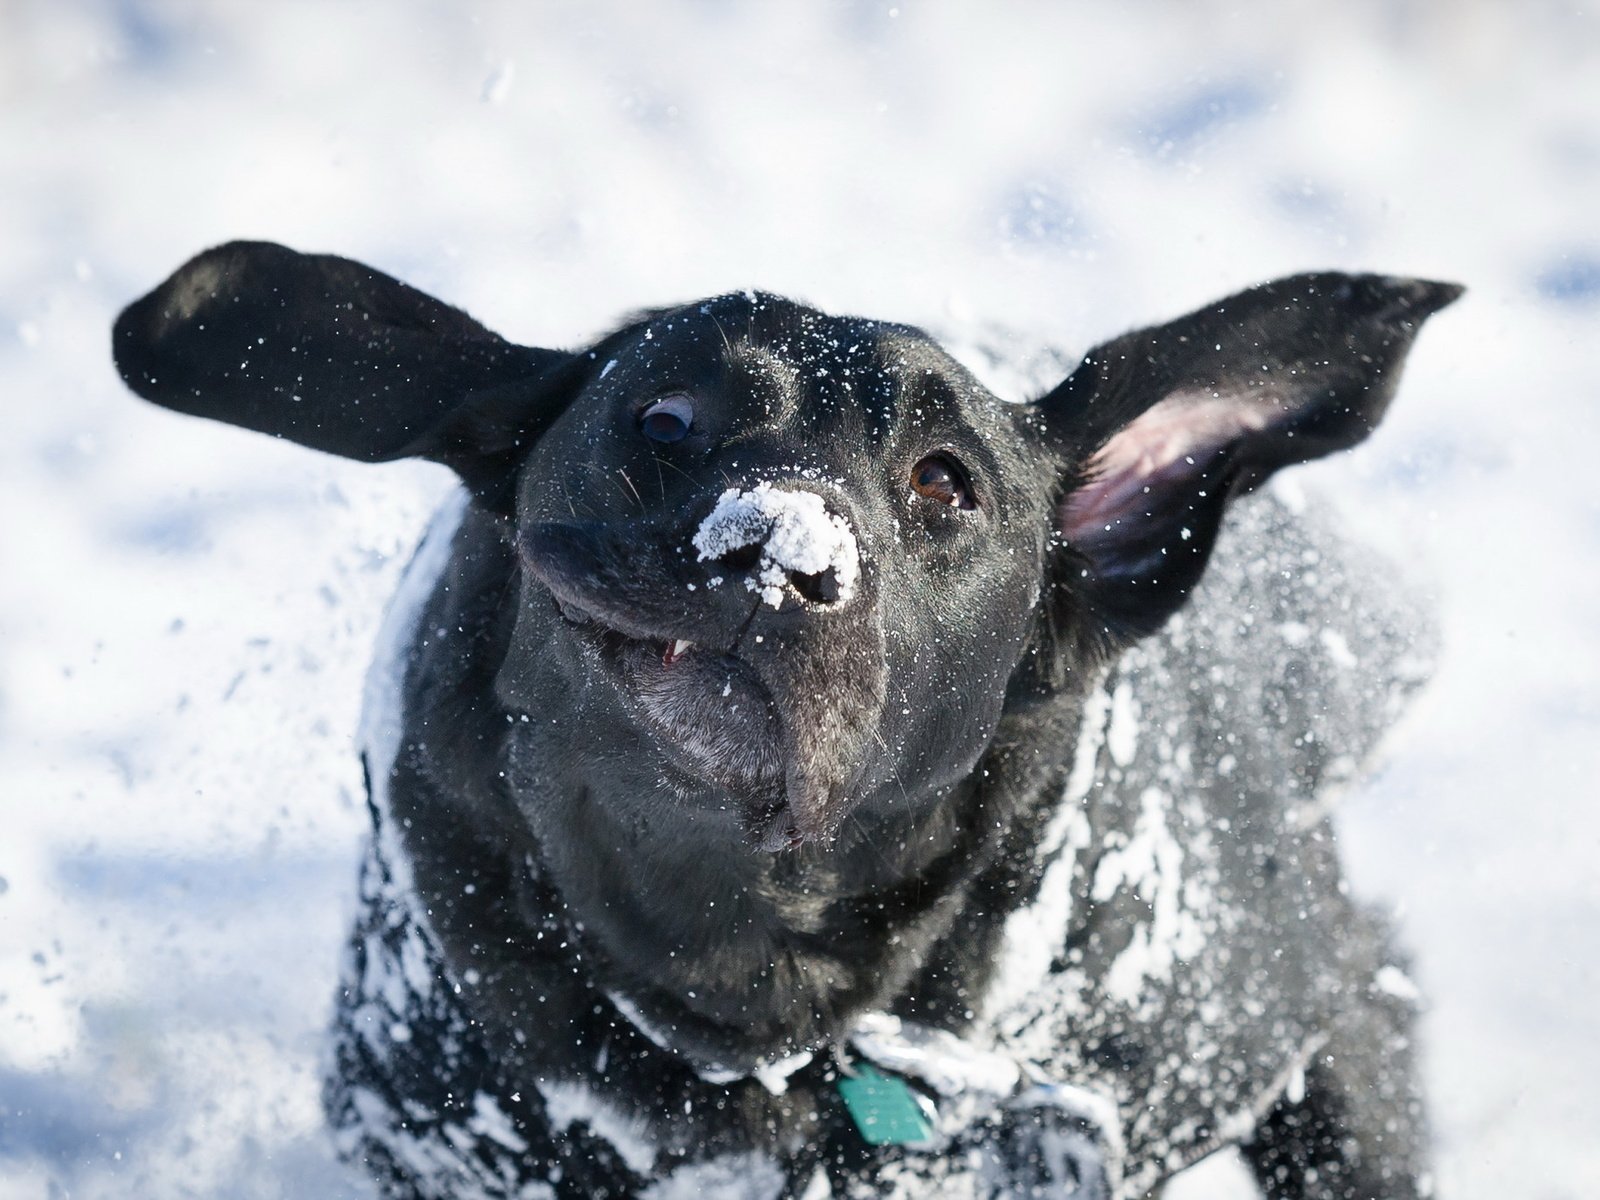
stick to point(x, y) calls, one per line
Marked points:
point(924, 1089)
point(772, 1074)
point(1005, 1113)
point(970, 1084)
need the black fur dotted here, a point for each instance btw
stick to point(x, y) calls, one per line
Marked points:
point(611, 887)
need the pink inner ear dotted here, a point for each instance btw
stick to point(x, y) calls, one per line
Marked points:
point(1172, 439)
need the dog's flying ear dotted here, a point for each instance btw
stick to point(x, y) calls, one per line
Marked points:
point(1163, 426)
point(340, 357)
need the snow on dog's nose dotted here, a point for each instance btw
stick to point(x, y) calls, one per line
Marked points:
point(784, 539)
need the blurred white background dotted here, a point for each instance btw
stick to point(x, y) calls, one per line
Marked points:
point(186, 610)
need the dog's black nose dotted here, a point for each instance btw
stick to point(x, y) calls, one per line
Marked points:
point(819, 587)
point(783, 541)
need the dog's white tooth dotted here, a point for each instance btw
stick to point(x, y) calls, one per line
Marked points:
point(680, 648)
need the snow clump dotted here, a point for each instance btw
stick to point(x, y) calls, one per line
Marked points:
point(795, 531)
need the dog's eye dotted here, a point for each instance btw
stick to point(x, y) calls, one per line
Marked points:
point(939, 477)
point(667, 420)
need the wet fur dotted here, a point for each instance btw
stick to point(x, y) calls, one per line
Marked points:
point(581, 945)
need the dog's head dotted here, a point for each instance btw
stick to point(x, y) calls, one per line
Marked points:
point(810, 559)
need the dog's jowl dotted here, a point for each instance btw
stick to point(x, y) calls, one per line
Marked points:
point(795, 771)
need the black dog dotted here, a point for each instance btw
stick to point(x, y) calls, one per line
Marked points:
point(761, 805)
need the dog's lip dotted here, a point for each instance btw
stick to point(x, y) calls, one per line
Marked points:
point(587, 622)
point(640, 667)
point(769, 820)
point(772, 822)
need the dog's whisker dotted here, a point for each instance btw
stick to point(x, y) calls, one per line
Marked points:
point(627, 490)
point(727, 345)
point(638, 499)
point(672, 466)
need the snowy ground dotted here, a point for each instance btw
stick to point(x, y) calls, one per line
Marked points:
point(185, 610)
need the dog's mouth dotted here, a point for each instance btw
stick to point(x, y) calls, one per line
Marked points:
point(672, 650)
point(707, 709)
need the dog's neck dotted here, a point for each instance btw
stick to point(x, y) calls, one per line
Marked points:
point(745, 956)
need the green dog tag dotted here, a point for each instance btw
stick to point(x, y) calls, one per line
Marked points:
point(884, 1108)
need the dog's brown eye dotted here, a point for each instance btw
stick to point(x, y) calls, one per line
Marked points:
point(667, 420)
point(940, 478)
